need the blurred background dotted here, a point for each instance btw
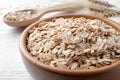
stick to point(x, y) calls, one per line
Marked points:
point(11, 65)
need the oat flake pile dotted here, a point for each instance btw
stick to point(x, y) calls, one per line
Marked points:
point(20, 16)
point(74, 43)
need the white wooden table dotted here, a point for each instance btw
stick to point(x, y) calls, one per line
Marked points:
point(11, 64)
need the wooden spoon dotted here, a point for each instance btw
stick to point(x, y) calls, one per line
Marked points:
point(39, 13)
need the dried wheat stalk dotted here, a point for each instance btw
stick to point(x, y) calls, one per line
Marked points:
point(101, 3)
point(105, 12)
point(103, 8)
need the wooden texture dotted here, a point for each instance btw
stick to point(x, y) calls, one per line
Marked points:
point(11, 64)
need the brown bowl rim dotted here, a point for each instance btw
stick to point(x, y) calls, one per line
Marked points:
point(25, 53)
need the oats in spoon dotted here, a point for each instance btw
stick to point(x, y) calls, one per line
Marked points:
point(19, 16)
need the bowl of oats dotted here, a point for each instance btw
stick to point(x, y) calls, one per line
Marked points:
point(72, 47)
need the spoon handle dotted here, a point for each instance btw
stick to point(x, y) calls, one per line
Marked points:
point(63, 7)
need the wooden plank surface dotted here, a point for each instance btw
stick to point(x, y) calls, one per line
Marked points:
point(11, 64)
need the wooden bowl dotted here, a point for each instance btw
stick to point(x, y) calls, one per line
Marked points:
point(40, 71)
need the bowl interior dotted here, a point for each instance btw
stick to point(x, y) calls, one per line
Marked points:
point(35, 62)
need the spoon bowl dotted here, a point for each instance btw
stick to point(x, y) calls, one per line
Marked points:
point(39, 13)
point(24, 22)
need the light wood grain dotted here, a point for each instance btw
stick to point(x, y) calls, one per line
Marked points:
point(11, 64)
